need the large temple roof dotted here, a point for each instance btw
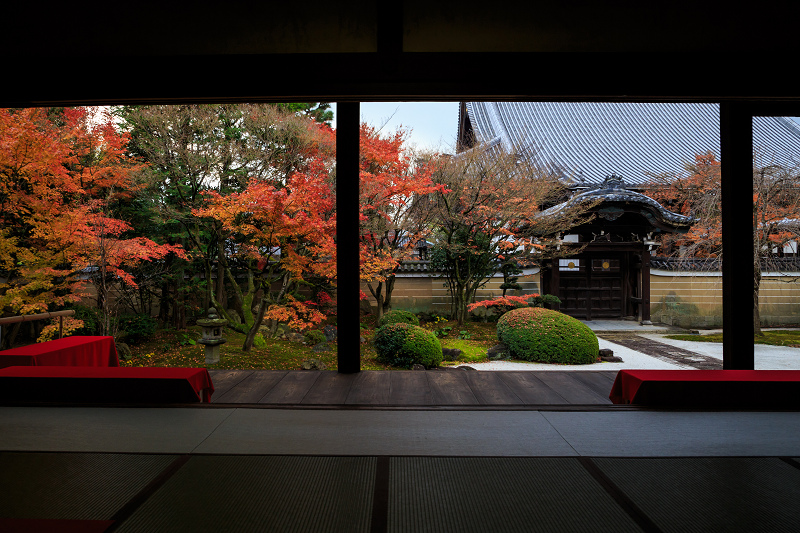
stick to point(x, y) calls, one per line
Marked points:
point(586, 141)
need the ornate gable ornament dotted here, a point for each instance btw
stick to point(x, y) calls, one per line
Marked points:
point(612, 182)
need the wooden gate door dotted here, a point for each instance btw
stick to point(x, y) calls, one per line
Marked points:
point(591, 286)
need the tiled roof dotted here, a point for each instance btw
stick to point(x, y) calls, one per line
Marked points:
point(587, 141)
point(774, 264)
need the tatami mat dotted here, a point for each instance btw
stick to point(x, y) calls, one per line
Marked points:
point(86, 486)
point(447, 494)
point(705, 494)
point(373, 432)
point(153, 493)
point(400, 432)
point(259, 494)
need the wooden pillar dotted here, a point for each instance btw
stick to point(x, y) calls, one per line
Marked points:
point(645, 273)
point(347, 257)
point(736, 156)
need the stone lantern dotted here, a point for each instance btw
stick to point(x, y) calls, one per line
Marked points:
point(212, 335)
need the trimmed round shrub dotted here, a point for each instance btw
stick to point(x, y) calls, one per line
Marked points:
point(546, 336)
point(398, 317)
point(314, 336)
point(403, 345)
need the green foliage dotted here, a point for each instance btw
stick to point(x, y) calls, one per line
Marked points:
point(546, 336)
point(259, 341)
point(389, 342)
point(398, 317)
point(423, 347)
point(470, 352)
point(444, 331)
point(544, 300)
point(403, 345)
point(319, 111)
point(92, 323)
point(466, 260)
point(186, 340)
point(137, 328)
point(314, 336)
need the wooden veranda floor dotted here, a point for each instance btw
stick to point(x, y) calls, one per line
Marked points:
point(398, 388)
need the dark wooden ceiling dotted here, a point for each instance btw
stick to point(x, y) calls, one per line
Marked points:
point(95, 52)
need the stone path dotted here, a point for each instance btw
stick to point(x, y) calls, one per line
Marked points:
point(662, 351)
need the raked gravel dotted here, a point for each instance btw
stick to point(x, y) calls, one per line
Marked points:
point(630, 359)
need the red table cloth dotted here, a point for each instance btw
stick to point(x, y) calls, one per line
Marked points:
point(69, 351)
point(708, 388)
point(105, 384)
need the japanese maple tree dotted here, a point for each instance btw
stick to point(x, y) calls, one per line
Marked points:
point(489, 212)
point(776, 204)
point(281, 234)
point(191, 149)
point(61, 175)
point(393, 197)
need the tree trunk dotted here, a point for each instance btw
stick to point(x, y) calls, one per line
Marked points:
point(264, 302)
point(387, 301)
point(756, 313)
point(286, 283)
point(209, 285)
point(377, 293)
point(460, 297)
point(220, 278)
point(163, 300)
point(259, 318)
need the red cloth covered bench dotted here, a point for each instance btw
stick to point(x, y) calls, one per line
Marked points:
point(771, 389)
point(104, 384)
point(69, 351)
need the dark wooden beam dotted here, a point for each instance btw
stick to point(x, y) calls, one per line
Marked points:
point(355, 77)
point(736, 155)
point(347, 256)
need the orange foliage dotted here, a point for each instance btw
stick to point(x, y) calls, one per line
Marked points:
point(503, 301)
point(59, 177)
point(696, 195)
point(297, 315)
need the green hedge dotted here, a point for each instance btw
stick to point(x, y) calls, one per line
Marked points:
point(398, 317)
point(403, 345)
point(546, 336)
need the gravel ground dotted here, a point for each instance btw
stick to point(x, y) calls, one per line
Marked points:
point(766, 357)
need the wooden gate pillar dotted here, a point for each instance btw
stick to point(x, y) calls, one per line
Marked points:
point(646, 286)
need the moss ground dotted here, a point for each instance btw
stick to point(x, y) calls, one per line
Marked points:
point(776, 337)
point(173, 348)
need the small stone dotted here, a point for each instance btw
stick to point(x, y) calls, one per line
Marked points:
point(330, 332)
point(294, 336)
point(605, 352)
point(451, 354)
point(124, 351)
point(466, 368)
point(313, 364)
point(321, 347)
point(234, 316)
point(498, 351)
point(418, 366)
